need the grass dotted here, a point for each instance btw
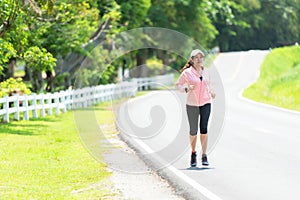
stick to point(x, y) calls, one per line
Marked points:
point(19, 73)
point(141, 93)
point(279, 80)
point(44, 159)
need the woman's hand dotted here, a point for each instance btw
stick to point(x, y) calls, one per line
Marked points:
point(191, 87)
point(212, 94)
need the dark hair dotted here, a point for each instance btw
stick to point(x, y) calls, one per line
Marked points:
point(187, 65)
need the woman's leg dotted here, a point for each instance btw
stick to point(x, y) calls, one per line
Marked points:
point(193, 116)
point(193, 141)
point(203, 140)
point(204, 116)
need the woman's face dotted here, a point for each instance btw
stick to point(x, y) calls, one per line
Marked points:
point(198, 60)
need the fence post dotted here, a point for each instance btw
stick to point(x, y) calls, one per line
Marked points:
point(6, 107)
point(74, 99)
point(34, 111)
point(64, 99)
point(17, 105)
point(93, 96)
point(56, 101)
point(96, 95)
point(42, 112)
point(68, 99)
point(26, 112)
point(134, 84)
point(89, 97)
point(49, 102)
point(86, 97)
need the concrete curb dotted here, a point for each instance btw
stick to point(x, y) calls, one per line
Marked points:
point(180, 187)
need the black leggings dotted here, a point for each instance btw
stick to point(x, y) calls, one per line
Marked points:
point(193, 113)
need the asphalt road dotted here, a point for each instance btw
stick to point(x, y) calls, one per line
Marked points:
point(256, 155)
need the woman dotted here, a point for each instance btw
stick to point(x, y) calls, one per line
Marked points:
point(194, 82)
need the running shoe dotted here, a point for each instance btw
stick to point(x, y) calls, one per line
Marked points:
point(204, 160)
point(194, 159)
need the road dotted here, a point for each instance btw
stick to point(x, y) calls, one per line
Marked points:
point(255, 156)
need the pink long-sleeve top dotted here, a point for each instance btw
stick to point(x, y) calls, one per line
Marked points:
point(200, 95)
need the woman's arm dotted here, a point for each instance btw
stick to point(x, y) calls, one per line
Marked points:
point(209, 84)
point(181, 83)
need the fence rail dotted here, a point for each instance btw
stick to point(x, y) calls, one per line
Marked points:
point(42, 104)
point(154, 82)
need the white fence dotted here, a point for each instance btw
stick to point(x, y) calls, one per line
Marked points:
point(43, 104)
point(157, 82)
point(64, 100)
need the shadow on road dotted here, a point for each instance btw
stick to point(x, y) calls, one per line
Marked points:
point(198, 168)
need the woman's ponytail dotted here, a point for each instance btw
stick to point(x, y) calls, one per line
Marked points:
point(187, 65)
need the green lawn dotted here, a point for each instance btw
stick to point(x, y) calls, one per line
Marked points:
point(45, 159)
point(279, 80)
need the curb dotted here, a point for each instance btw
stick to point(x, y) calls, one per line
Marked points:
point(180, 187)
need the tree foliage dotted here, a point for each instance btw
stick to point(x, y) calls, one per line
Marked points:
point(13, 86)
point(39, 59)
point(270, 23)
point(7, 51)
point(56, 36)
point(186, 16)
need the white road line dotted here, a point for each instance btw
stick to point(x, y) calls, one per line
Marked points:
point(240, 96)
point(145, 147)
point(204, 191)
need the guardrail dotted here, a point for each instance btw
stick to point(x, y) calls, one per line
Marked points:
point(42, 104)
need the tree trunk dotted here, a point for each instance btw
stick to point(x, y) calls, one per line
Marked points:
point(28, 75)
point(9, 71)
point(164, 57)
point(74, 60)
point(141, 59)
point(67, 82)
point(12, 65)
point(37, 81)
point(50, 78)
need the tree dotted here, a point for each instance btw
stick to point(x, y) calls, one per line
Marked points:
point(223, 14)
point(7, 52)
point(39, 60)
point(134, 15)
point(270, 24)
point(60, 27)
point(186, 16)
point(280, 25)
point(15, 19)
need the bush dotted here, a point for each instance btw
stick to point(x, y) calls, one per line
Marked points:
point(13, 86)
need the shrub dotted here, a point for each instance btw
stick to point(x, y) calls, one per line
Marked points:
point(13, 86)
